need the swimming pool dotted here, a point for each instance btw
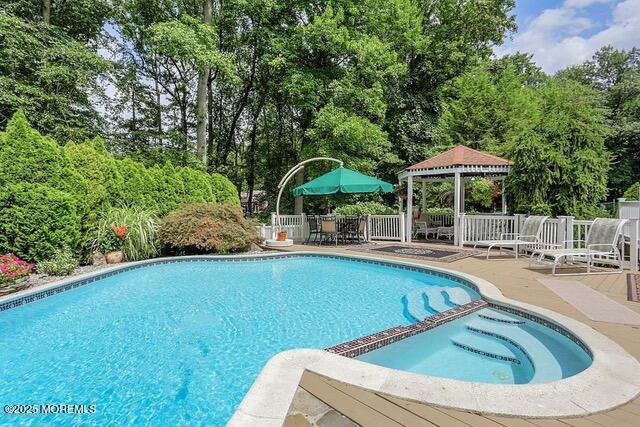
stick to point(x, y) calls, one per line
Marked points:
point(488, 346)
point(182, 342)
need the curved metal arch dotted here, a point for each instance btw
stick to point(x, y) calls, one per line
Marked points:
point(292, 172)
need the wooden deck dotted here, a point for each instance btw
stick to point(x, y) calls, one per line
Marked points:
point(515, 280)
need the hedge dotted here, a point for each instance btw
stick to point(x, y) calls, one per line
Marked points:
point(36, 221)
point(93, 180)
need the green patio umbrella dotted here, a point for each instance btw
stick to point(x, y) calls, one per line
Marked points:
point(343, 180)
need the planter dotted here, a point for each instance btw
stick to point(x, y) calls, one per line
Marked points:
point(18, 285)
point(114, 257)
point(282, 236)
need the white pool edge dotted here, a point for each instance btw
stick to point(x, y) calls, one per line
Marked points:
point(612, 380)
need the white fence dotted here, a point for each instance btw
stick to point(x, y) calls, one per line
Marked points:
point(472, 228)
point(386, 227)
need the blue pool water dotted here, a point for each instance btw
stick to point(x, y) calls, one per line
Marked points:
point(181, 343)
point(487, 346)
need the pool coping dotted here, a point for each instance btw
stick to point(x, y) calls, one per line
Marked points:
point(612, 380)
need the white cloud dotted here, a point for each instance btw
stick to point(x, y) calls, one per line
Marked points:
point(555, 36)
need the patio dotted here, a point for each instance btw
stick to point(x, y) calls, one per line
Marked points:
point(329, 398)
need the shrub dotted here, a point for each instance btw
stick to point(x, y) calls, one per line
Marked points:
point(27, 156)
point(138, 241)
point(366, 208)
point(224, 190)
point(62, 263)
point(633, 192)
point(207, 227)
point(37, 220)
point(13, 268)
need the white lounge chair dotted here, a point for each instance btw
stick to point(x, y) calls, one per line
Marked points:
point(600, 246)
point(528, 235)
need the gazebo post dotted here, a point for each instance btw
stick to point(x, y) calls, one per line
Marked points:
point(423, 203)
point(456, 208)
point(504, 198)
point(409, 221)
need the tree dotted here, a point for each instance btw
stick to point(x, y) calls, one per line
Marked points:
point(50, 76)
point(616, 75)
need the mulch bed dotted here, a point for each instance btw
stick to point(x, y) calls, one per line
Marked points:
point(633, 287)
point(415, 252)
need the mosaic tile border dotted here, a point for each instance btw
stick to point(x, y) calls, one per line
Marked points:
point(495, 319)
point(633, 287)
point(503, 338)
point(486, 353)
point(544, 322)
point(12, 303)
point(380, 339)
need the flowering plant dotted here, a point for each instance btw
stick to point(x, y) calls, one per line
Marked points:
point(13, 268)
point(114, 239)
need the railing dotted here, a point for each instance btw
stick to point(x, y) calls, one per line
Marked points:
point(386, 227)
point(472, 228)
point(581, 229)
point(552, 232)
point(486, 227)
point(439, 219)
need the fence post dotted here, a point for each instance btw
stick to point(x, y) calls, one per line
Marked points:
point(634, 224)
point(568, 235)
point(273, 225)
point(561, 233)
point(367, 226)
point(402, 229)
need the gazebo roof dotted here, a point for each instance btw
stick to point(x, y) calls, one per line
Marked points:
point(460, 156)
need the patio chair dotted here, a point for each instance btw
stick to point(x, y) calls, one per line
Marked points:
point(314, 228)
point(600, 247)
point(349, 228)
point(528, 235)
point(445, 232)
point(328, 230)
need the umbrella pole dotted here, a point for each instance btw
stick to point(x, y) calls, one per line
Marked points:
point(292, 172)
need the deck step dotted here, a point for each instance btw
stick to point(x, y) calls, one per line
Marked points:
point(478, 344)
point(496, 316)
point(546, 366)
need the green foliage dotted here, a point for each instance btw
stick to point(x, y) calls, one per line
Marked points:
point(27, 156)
point(62, 263)
point(615, 75)
point(633, 192)
point(484, 111)
point(366, 208)
point(482, 191)
point(554, 131)
point(361, 144)
point(207, 228)
point(37, 220)
point(562, 161)
point(224, 189)
point(140, 240)
point(50, 76)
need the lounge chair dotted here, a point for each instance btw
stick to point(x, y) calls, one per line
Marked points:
point(600, 246)
point(528, 235)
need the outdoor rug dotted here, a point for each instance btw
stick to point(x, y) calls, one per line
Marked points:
point(633, 287)
point(426, 253)
point(592, 303)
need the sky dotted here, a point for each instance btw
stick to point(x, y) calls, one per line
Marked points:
point(560, 33)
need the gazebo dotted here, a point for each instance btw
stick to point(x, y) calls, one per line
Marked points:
point(459, 163)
